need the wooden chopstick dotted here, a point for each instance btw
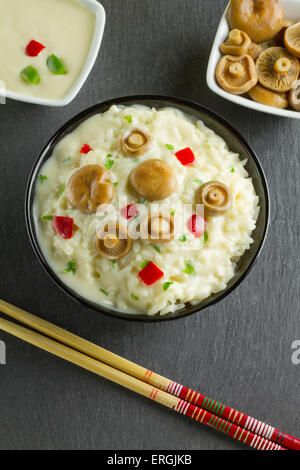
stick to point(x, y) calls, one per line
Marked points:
point(146, 382)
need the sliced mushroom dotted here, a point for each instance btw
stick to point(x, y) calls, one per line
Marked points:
point(153, 179)
point(236, 74)
point(292, 39)
point(268, 97)
point(237, 43)
point(260, 19)
point(216, 198)
point(89, 187)
point(113, 242)
point(135, 142)
point(158, 228)
point(277, 69)
point(294, 96)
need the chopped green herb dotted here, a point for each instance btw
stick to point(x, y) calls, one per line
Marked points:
point(47, 217)
point(232, 170)
point(144, 264)
point(103, 291)
point(128, 119)
point(71, 267)
point(62, 190)
point(170, 147)
point(134, 297)
point(114, 263)
point(31, 75)
point(156, 247)
point(172, 213)
point(208, 145)
point(166, 285)
point(67, 160)
point(136, 160)
point(109, 155)
point(183, 238)
point(189, 268)
point(198, 181)
point(204, 237)
point(56, 65)
point(109, 164)
point(116, 183)
point(143, 200)
point(42, 178)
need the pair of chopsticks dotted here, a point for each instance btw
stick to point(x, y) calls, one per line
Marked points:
point(186, 401)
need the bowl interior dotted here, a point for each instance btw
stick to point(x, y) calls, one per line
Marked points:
point(235, 142)
point(292, 12)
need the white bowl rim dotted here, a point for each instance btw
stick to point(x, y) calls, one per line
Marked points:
point(100, 15)
point(215, 55)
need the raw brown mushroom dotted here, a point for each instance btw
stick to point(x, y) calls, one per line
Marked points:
point(158, 228)
point(89, 187)
point(292, 39)
point(237, 43)
point(216, 198)
point(277, 69)
point(260, 19)
point(113, 242)
point(135, 142)
point(268, 97)
point(294, 97)
point(153, 179)
point(236, 74)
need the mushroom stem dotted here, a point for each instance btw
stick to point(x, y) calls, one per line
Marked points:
point(282, 65)
point(110, 240)
point(236, 37)
point(236, 69)
point(215, 196)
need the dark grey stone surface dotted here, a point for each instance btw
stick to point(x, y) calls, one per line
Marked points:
point(238, 351)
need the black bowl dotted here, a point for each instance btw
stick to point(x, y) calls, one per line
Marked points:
point(235, 142)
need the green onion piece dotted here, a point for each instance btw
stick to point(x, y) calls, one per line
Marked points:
point(232, 170)
point(204, 237)
point(144, 264)
point(189, 269)
point(62, 190)
point(42, 178)
point(172, 212)
point(183, 238)
point(109, 155)
point(198, 181)
point(31, 75)
point(143, 200)
point(109, 164)
point(134, 297)
point(170, 147)
point(114, 263)
point(67, 160)
point(103, 291)
point(128, 119)
point(116, 183)
point(47, 217)
point(166, 285)
point(56, 65)
point(71, 267)
point(156, 247)
point(136, 160)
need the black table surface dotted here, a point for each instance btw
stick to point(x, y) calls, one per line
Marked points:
point(238, 351)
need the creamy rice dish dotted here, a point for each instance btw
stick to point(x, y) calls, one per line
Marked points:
point(182, 206)
point(43, 45)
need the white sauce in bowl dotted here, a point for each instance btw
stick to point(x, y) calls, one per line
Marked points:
point(64, 27)
point(117, 285)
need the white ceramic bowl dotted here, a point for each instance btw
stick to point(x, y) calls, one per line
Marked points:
point(292, 12)
point(99, 11)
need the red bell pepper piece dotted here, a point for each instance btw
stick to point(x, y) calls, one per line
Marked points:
point(129, 211)
point(150, 274)
point(85, 149)
point(185, 156)
point(33, 48)
point(196, 225)
point(63, 226)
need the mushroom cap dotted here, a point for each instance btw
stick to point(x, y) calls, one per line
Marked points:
point(113, 242)
point(292, 39)
point(158, 228)
point(260, 19)
point(277, 69)
point(153, 179)
point(216, 198)
point(268, 97)
point(89, 187)
point(236, 74)
point(135, 142)
point(237, 43)
point(294, 97)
